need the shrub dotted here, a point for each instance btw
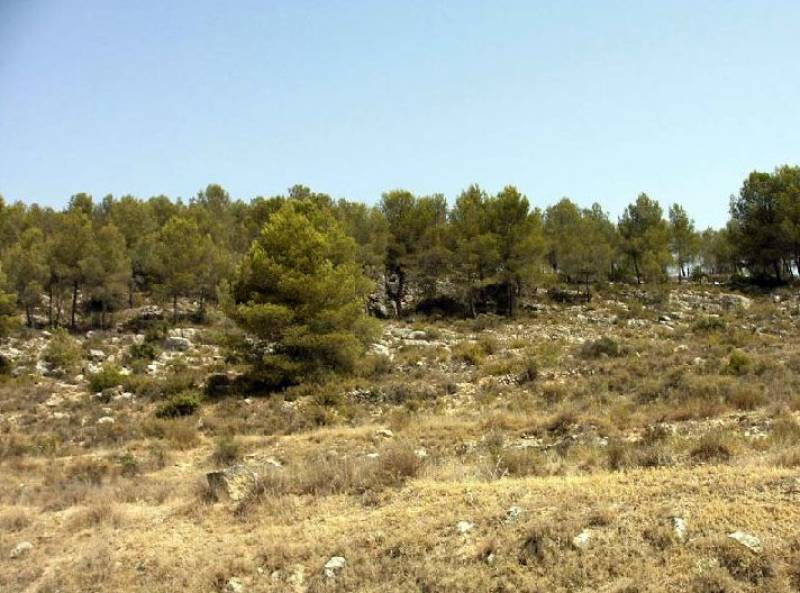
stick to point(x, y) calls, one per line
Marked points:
point(62, 352)
point(605, 346)
point(108, 376)
point(746, 397)
point(184, 404)
point(227, 450)
point(144, 351)
point(129, 465)
point(739, 363)
point(528, 370)
point(714, 445)
point(469, 352)
point(709, 324)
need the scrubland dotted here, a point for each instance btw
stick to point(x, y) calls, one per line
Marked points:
point(615, 445)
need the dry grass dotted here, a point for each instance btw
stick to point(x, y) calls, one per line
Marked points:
point(616, 437)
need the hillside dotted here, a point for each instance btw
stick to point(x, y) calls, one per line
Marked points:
point(606, 446)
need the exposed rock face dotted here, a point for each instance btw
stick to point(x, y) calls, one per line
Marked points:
point(233, 483)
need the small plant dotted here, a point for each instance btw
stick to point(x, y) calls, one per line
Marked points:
point(709, 324)
point(528, 370)
point(145, 351)
point(739, 363)
point(62, 352)
point(470, 352)
point(227, 450)
point(129, 465)
point(713, 446)
point(108, 376)
point(605, 346)
point(184, 404)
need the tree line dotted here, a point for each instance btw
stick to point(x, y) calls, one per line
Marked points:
point(83, 263)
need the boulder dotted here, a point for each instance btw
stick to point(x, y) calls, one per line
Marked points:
point(233, 483)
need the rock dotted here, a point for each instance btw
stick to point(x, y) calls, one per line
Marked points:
point(234, 585)
point(582, 540)
point(105, 420)
point(513, 514)
point(679, 525)
point(334, 566)
point(177, 344)
point(21, 549)
point(381, 350)
point(233, 483)
point(384, 433)
point(421, 453)
point(464, 527)
point(97, 355)
point(751, 542)
point(418, 335)
point(731, 301)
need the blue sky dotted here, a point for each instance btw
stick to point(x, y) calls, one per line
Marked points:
point(597, 101)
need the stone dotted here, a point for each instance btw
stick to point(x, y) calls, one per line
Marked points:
point(464, 527)
point(513, 514)
point(751, 542)
point(418, 335)
point(233, 483)
point(679, 526)
point(21, 549)
point(731, 301)
point(234, 585)
point(105, 420)
point(177, 344)
point(582, 540)
point(334, 566)
point(97, 355)
point(384, 433)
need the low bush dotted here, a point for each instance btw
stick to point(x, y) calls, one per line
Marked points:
point(62, 352)
point(227, 450)
point(184, 404)
point(714, 445)
point(605, 346)
point(108, 376)
point(739, 363)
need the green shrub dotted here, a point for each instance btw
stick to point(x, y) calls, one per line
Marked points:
point(709, 324)
point(108, 376)
point(184, 404)
point(62, 352)
point(739, 363)
point(605, 346)
point(144, 351)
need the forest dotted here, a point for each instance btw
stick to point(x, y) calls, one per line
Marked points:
point(79, 265)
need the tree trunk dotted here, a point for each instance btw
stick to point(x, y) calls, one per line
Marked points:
point(74, 304)
point(636, 270)
point(28, 316)
point(50, 306)
point(174, 309)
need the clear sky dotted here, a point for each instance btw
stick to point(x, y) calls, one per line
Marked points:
point(595, 100)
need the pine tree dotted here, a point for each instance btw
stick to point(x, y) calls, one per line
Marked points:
point(300, 289)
